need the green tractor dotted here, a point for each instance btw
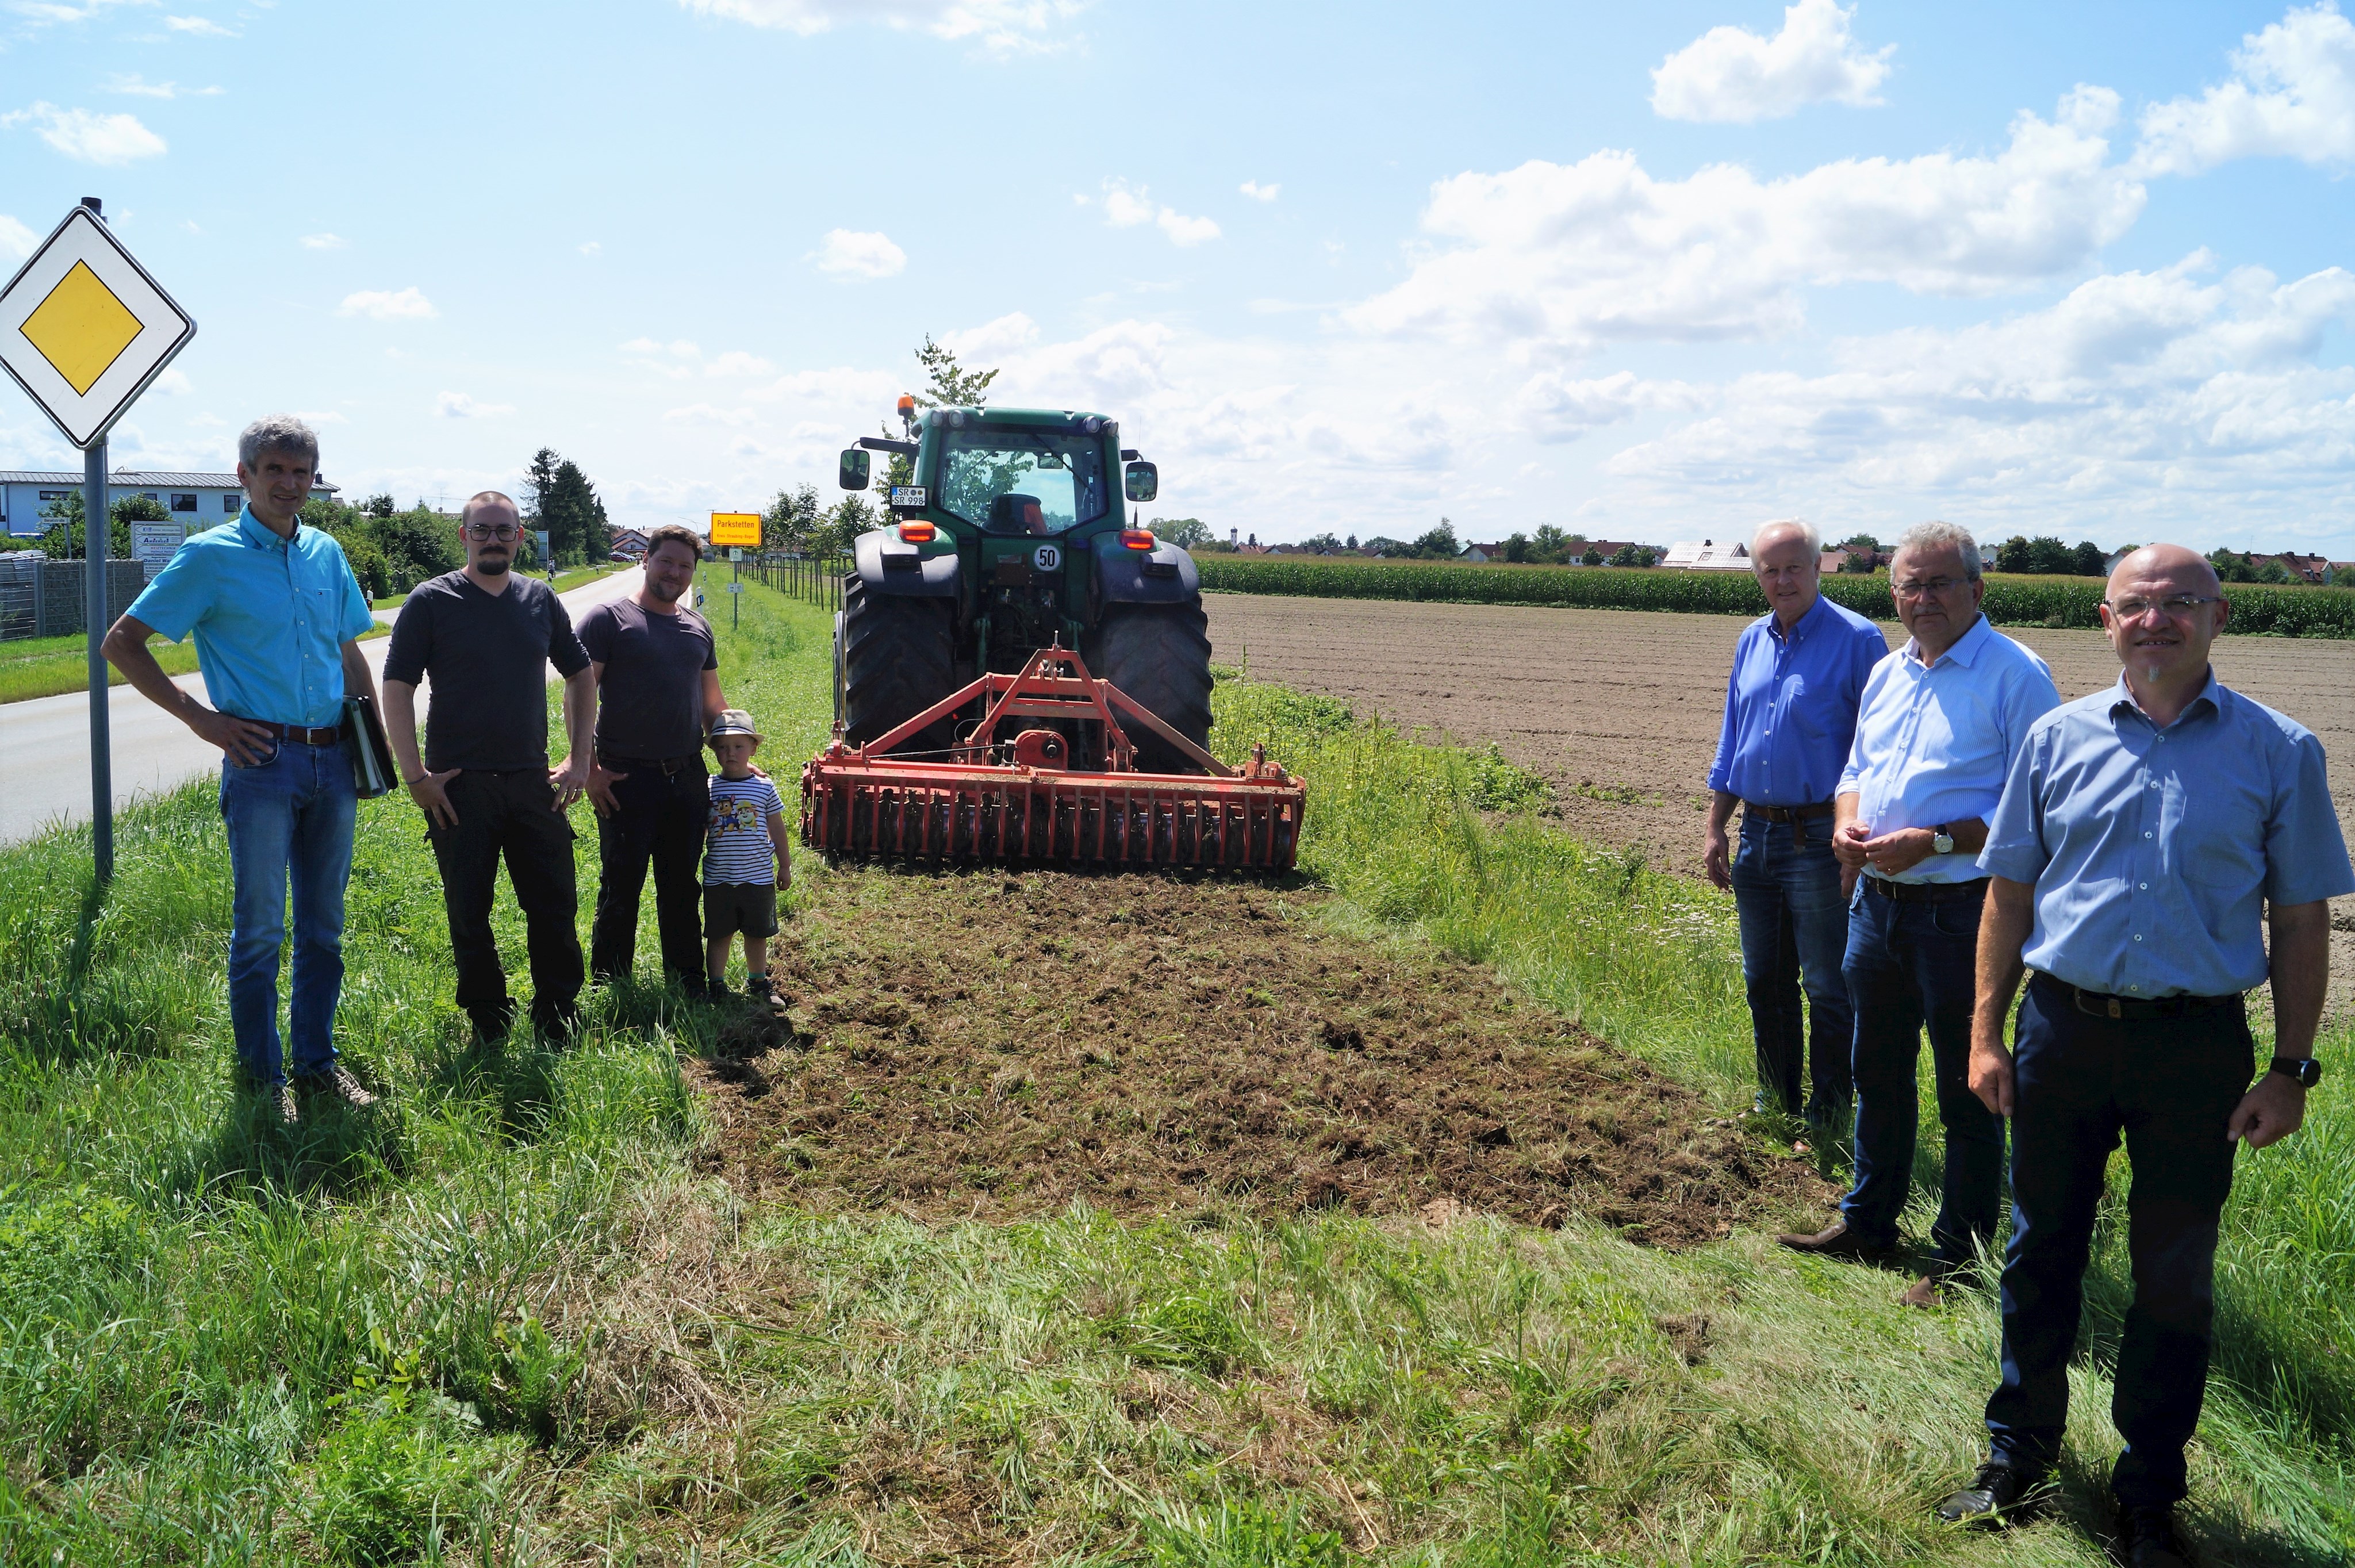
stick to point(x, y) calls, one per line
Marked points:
point(1010, 535)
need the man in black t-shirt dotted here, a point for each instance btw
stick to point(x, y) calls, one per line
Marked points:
point(657, 672)
point(486, 636)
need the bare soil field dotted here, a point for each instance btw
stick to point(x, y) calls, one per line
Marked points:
point(1159, 1046)
point(1620, 708)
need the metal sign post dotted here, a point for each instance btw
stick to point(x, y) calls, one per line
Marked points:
point(84, 330)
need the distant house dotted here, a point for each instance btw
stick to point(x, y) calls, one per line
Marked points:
point(630, 542)
point(199, 500)
point(1707, 555)
point(1482, 554)
point(2301, 567)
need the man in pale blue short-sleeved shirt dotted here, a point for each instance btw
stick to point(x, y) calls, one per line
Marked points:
point(2144, 834)
point(1939, 720)
point(277, 616)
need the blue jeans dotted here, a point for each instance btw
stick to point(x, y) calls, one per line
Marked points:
point(289, 817)
point(1910, 964)
point(2169, 1085)
point(1786, 893)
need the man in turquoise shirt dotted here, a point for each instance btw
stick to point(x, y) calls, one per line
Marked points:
point(277, 615)
point(2144, 834)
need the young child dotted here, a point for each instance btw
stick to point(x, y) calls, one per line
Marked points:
point(746, 858)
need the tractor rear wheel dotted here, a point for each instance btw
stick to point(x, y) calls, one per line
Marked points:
point(1160, 655)
point(895, 657)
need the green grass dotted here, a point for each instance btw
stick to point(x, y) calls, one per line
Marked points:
point(508, 1321)
point(45, 667)
point(2012, 600)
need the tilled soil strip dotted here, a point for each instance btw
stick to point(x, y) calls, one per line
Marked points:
point(997, 1045)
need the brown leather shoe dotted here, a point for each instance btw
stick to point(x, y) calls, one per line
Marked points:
point(1838, 1242)
point(1928, 1293)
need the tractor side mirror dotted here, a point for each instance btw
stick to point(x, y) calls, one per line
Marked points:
point(853, 474)
point(1143, 481)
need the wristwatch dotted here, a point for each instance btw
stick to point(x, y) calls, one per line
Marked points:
point(2303, 1070)
point(1942, 841)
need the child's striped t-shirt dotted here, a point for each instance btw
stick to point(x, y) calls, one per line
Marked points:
point(736, 848)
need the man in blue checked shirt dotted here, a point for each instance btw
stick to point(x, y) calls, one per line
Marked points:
point(276, 613)
point(1942, 719)
point(1790, 710)
point(2146, 836)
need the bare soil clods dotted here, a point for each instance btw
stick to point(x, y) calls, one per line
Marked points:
point(997, 1045)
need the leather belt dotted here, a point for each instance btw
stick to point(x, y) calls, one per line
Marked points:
point(330, 736)
point(2101, 1005)
point(1925, 892)
point(1786, 812)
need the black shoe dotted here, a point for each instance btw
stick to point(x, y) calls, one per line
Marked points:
point(556, 1026)
point(715, 990)
point(2147, 1539)
point(1838, 1242)
point(492, 1023)
point(1996, 1495)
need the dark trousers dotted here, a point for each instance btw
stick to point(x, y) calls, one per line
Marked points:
point(2169, 1085)
point(1793, 925)
point(513, 815)
point(1911, 966)
point(661, 821)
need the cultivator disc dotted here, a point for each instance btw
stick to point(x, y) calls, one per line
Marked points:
point(1018, 800)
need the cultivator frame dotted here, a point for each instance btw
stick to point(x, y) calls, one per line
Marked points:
point(1018, 800)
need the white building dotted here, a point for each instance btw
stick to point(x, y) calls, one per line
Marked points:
point(199, 500)
point(1707, 555)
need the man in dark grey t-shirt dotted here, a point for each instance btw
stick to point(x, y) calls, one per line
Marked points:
point(657, 672)
point(485, 635)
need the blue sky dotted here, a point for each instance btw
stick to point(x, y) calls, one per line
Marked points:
point(1653, 271)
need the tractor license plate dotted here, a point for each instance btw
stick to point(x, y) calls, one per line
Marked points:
point(908, 495)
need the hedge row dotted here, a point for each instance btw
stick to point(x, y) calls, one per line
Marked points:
point(2011, 601)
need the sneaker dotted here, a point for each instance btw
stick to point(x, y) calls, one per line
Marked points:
point(715, 989)
point(337, 1082)
point(282, 1106)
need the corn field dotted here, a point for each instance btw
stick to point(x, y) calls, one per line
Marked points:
point(2011, 601)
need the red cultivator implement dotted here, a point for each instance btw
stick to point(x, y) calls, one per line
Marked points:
point(1022, 799)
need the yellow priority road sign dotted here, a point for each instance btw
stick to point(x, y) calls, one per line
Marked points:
point(84, 329)
point(736, 527)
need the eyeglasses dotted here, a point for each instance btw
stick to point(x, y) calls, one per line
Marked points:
point(491, 530)
point(1929, 587)
point(2175, 606)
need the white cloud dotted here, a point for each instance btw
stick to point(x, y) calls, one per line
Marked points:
point(1000, 26)
point(2292, 95)
point(381, 305)
point(862, 395)
point(852, 253)
point(704, 414)
point(459, 406)
point(591, 247)
point(735, 362)
point(198, 26)
point(677, 347)
point(1112, 368)
point(171, 383)
point(1732, 74)
point(1126, 209)
point(2145, 398)
point(16, 240)
point(137, 87)
point(992, 340)
point(323, 242)
point(105, 139)
point(1259, 192)
point(1555, 257)
point(1556, 406)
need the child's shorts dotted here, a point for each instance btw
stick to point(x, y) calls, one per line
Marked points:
point(732, 907)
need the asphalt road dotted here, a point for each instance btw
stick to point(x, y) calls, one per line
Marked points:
point(45, 743)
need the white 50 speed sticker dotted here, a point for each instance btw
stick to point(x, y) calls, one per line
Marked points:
point(1046, 558)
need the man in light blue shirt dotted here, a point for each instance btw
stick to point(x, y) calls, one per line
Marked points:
point(2144, 832)
point(1790, 712)
point(1934, 738)
point(277, 615)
